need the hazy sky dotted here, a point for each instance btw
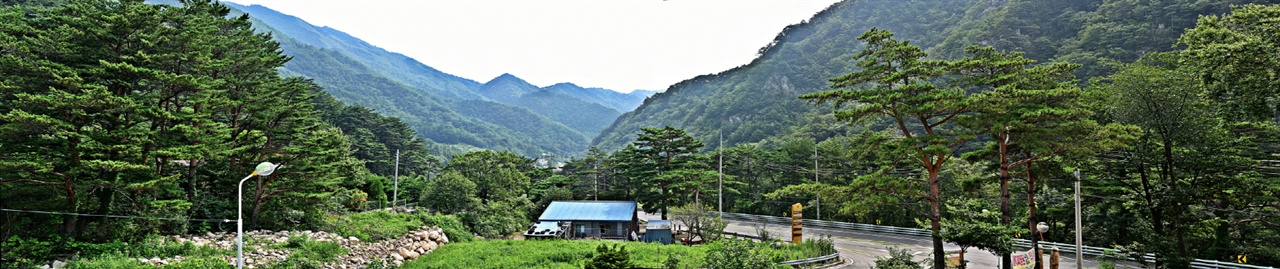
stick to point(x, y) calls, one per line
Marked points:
point(621, 45)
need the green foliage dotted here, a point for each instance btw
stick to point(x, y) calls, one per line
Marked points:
point(500, 204)
point(450, 193)
point(1243, 86)
point(737, 254)
point(897, 82)
point(972, 225)
point(499, 218)
point(661, 169)
point(898, 259)
point(27, 252)
point(607, 257)
point(702, 221)
point(306, 249)
point(124, 262)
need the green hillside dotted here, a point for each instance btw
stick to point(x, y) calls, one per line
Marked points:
point(758, 100)
point(585, 117)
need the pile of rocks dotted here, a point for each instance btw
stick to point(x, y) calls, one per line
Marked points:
point(394, 251)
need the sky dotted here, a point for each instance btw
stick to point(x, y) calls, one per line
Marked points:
point(621, 45)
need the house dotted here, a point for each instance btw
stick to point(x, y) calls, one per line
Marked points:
point(588, 219)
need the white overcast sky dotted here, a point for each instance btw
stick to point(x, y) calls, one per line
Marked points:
point(621, 45)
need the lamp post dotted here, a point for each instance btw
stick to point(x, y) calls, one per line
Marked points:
point(1042, 228)
point(263, 169)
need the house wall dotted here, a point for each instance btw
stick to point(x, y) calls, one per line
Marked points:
point(584, 229)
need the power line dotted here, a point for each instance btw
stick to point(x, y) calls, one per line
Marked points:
point(1209, 208)
point(114, 216)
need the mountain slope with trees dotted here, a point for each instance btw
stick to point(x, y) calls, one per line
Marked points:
point(756, 101)
point(436, 104)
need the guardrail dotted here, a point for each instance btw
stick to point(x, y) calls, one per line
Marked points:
point(1065, 248)
point(820, 259)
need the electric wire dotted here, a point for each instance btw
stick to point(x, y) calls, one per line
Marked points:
point(120, 217)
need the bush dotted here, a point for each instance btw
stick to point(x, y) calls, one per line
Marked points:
point(606, 257)
point(306, 248)
point(451, 224)
point(898, 259)
point(733, 253)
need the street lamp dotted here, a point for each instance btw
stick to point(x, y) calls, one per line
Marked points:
point(1042, 228)
point(263, 169)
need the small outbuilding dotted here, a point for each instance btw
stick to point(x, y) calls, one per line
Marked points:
point(594, 219)
point(657, 231)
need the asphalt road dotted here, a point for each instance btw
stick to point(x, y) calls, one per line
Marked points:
point(860, 249)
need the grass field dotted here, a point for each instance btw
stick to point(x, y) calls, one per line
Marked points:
point(572, 254)
point(550, 254)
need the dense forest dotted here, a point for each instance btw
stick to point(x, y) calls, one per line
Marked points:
point(124, 121)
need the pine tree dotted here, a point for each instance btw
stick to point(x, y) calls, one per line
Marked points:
point(896, 82)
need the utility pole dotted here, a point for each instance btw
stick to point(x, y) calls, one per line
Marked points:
point(395, 190)
point(720, 181)
point(1079, 240)
point(817, 201)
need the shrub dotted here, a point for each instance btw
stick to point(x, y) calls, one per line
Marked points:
point(898, 259)
point(451, 224)
point(606, 257)
point(737, 254)
point(306, 248)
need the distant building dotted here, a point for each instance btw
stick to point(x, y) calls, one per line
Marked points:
point(587, 219)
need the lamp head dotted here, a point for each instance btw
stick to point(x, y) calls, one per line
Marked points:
point(1042, 227)
point(265, 168)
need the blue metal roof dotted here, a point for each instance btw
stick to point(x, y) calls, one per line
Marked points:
point(589, 211)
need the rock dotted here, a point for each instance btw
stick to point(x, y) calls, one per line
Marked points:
point(353, 238)
point(397, 257)
point(433, 235)
point(412, 255)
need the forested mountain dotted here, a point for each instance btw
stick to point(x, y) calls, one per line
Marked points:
point(757, 100)
point(622, 102)
point(392, 65)
point(452, 113)
point(586, 117)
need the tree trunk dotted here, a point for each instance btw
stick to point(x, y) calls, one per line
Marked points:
point(935, 217)
point(69, 222)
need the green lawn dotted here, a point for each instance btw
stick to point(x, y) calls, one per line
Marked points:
point(569, 254)
point(572, 254)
